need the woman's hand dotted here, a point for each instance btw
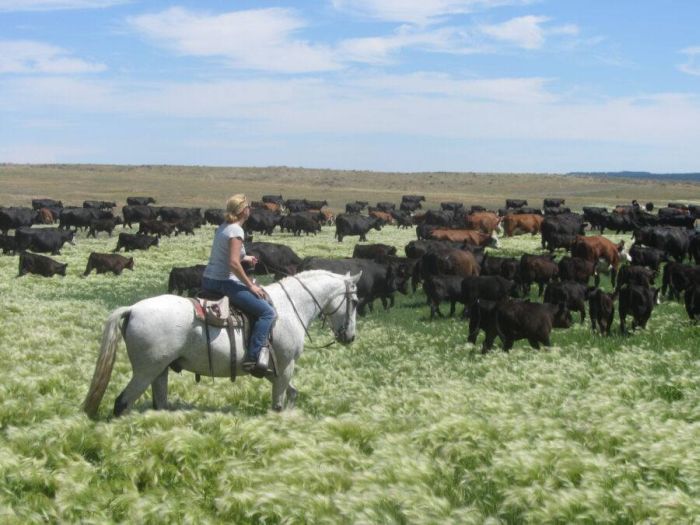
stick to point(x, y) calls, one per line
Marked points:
point(258, 291)
point(250, 259)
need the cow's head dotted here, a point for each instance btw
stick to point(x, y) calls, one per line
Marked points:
point(623, 252)
point(493, 241)
point(129, 264)
point(562, 317)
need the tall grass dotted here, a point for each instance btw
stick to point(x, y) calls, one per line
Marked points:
point(410, 424)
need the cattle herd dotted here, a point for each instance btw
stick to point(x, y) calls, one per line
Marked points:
point(448, 258)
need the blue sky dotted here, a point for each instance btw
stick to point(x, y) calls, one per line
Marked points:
point(398, 85)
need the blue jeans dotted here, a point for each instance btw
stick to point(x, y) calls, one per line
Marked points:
point(262, 314)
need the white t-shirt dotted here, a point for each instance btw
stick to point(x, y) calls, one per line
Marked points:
point(218, 267)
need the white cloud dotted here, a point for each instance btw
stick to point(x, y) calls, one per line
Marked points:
point(692, 64)
point(524, 31)
point(418, 11)
point(26, 56)
point(260, 39)
point(51, 5)
point(379, 50)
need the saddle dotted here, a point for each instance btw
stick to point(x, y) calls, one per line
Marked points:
point(213, 309)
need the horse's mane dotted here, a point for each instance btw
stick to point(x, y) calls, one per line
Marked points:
point(310, 273)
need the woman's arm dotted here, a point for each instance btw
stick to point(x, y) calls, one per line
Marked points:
point(237, 268)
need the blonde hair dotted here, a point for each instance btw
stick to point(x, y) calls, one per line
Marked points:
point(235, 206)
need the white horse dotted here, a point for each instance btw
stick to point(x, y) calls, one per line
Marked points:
point(163, 330)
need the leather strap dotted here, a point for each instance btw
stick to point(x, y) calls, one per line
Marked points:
point(232, 339)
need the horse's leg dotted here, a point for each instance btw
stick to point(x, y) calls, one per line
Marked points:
point(291, 396)
point(136, 387)
point(159, 387)
point(281, 386)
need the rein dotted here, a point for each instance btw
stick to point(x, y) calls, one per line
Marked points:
point(323, 315)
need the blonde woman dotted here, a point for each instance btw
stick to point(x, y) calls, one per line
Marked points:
point(225, 274)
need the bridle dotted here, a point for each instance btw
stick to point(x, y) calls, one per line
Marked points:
point(347, 301)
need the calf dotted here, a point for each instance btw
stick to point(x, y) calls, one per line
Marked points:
point(538, 269)
point(40, 265)
point(571, 293)
point(140, 201)
point(186, 279)
point(489, 287)
point(466, 236)
point(347, 225)
point(108, 262)
point(601, 308)
point(441, 288)
point(507, 267)
point(129, 242)
point(8, 244)
point(514, 320)
point(637, 301)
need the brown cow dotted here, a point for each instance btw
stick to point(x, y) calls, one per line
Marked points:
point(465, 236)
point(45, 216)
point(522, 223)
point(382, 215)
point(597, 247)
point(328, 217)
point(483, 221)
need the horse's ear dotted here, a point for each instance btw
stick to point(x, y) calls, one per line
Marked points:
point(355, 278)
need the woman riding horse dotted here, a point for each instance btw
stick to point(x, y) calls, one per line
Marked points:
point(225, 274)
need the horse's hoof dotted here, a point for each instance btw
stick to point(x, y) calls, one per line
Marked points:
point(277, 408)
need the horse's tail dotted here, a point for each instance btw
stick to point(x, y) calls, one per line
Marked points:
point(105, 361)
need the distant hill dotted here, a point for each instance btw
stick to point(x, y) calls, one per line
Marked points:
point(689, 177)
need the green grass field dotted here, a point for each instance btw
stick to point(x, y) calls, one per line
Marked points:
point(410, 424)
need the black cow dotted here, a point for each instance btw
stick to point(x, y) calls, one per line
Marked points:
point(674, 241)
point(410, 206)
point(578, 269)
point(377, 252)
point(46, 203)
point(452, 206)
point(277, 259)
point(16, 217)
point(507, 267)
point(442, 288)
point(8, 244)
point(156, 227)
point(103, 225)
point(490, 287)
point(108, 262)
point(571, 293)
point(263, 221)
point(140, 201)
point(403, 219)
point(350, 225)
point(298, 223)
point(100, 205)
point(316, 205)
point(646, 256)
point(276, 199)
point(694, 247)
point(515, 203)
point(677, 277)
point(378, 281)
point(568, 224)
point(187, 280)
point(40, 265)
point(355, 207)
point(185, 226)
point(513, 320)
point(552, 203)
point(42, 240)
point(631, 274)
point(692, 302)
point(130, 241)
point(637, 301)
point(539, 269)
point(80, 218)
point(214, 216)
point(177, 213)
point(601, 308)
point(138, 213)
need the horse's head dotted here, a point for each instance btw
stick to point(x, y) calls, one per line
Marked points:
point(341, 309)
